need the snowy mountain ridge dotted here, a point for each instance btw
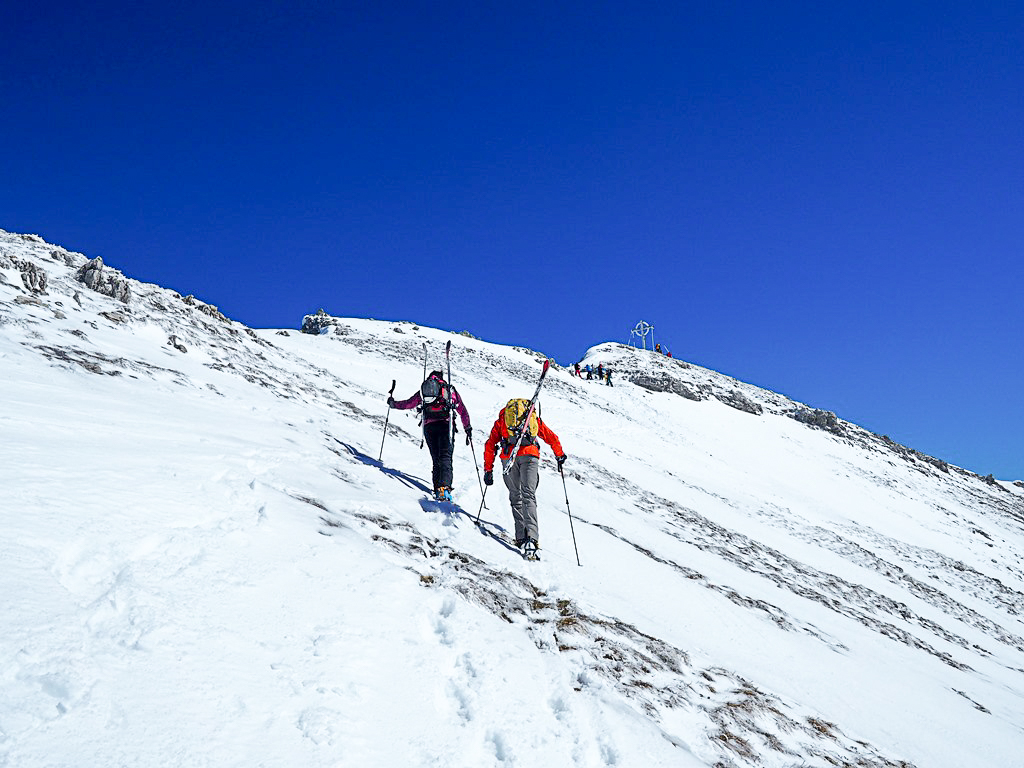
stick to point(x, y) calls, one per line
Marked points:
point(213, 568)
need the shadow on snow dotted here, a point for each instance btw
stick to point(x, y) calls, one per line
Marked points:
point(450, 509)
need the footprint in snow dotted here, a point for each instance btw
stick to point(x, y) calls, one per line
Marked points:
point(320, 724)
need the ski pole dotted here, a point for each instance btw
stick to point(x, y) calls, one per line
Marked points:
point(570, 517)
point(480, 511)
point(390, 395)
point(483, 491)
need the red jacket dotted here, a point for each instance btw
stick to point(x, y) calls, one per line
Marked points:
point(499, 433)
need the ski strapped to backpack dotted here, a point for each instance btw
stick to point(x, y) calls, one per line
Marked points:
point(422, 439)
point(451, 411)
point(523, 428)
point(517, 415)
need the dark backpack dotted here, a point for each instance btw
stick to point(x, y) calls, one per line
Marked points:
point(436, 397)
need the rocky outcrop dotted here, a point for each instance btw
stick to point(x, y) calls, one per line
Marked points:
point(736, 399)
point(206, 309)
point(910, 455)
point(69, 259)
point(102, 279)
point(318, 323)
point(665, 383)
point(32, 277)
point(819, 419)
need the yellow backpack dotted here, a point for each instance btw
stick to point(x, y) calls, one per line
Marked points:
point(515, 411)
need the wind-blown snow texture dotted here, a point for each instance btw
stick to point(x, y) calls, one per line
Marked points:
point(204, 563)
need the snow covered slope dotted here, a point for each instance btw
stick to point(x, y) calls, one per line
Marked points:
point(205, 564)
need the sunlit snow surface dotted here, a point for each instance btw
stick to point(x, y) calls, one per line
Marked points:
point(203, 563)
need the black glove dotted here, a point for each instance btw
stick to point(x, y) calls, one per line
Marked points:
point(391, 401)
point(488, 477)
point(561, 460)
point(469, 434)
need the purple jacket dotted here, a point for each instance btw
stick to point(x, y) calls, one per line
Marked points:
point(415, 400)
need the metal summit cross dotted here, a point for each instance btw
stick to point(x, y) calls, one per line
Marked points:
point(640, 333)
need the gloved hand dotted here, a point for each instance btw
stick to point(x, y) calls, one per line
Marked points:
point(488, 477)
point(391, 401)
point(469, 434)
point(561, 460)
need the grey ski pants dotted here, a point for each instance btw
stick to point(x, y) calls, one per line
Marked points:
point(521, 482)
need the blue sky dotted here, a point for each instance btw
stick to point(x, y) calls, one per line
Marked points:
point(823, 199)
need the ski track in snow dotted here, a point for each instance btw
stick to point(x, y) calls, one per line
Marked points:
point(207, 563)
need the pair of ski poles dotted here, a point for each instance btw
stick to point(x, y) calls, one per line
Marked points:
point(568, 509)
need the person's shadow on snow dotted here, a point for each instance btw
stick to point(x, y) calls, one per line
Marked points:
point(402, 477)
point(451, 510)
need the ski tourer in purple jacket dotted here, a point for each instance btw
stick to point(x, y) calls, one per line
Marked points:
point(436, 399)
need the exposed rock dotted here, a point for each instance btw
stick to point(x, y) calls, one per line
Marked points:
point(901, 450)
point(815, 417)
point(69, 259)
point(740, 402)
point(283, 333)
point(684, 390)
point(105, 280)
point(318, 323)
point(19, 299)
point(665, 383)
point(206, 309)
point(535, 353)
point(32, 276)
point(937, 463)
point(173, 341)
point(78, 298)
point(118, 318)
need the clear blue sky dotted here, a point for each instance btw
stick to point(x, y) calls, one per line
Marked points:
point(823, 199)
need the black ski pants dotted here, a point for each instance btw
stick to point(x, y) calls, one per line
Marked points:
point(438, 437)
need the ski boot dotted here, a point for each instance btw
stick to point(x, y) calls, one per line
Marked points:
point(530, 550)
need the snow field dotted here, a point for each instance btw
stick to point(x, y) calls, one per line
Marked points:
point(207, 565)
